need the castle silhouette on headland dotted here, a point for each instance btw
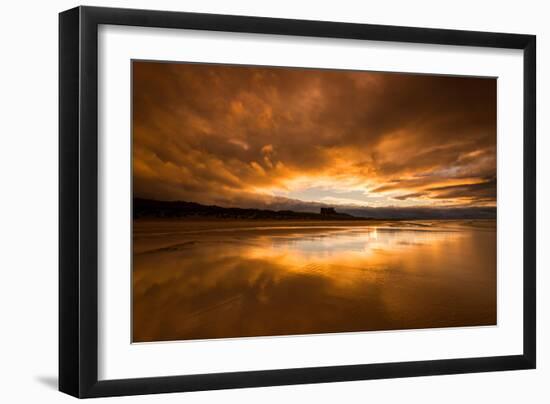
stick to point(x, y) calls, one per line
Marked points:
point(150, 208)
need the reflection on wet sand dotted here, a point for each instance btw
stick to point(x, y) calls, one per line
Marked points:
point(207, 279)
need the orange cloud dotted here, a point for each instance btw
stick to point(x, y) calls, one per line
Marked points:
point(257, 136)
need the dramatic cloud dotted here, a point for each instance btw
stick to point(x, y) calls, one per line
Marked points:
point(264, 137)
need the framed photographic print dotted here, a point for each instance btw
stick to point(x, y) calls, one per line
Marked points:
point(251, 201)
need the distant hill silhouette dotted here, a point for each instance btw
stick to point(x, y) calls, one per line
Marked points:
point(149, 208)
point(419, 212)
point(144, 208)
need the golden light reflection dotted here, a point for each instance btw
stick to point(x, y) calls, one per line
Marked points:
point(214, 280)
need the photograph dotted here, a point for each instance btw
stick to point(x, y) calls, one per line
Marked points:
point(274, 201)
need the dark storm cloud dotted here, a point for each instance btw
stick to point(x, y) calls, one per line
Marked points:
point(482, 190)
point(238, 135)
point(409, 196)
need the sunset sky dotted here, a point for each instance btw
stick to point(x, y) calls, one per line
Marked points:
point(269, 137)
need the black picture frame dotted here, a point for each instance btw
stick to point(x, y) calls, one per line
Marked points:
point(78, 201)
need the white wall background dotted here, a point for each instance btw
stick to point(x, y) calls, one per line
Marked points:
point(28, 199)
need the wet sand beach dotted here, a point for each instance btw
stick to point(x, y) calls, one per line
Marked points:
point(203, 279)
